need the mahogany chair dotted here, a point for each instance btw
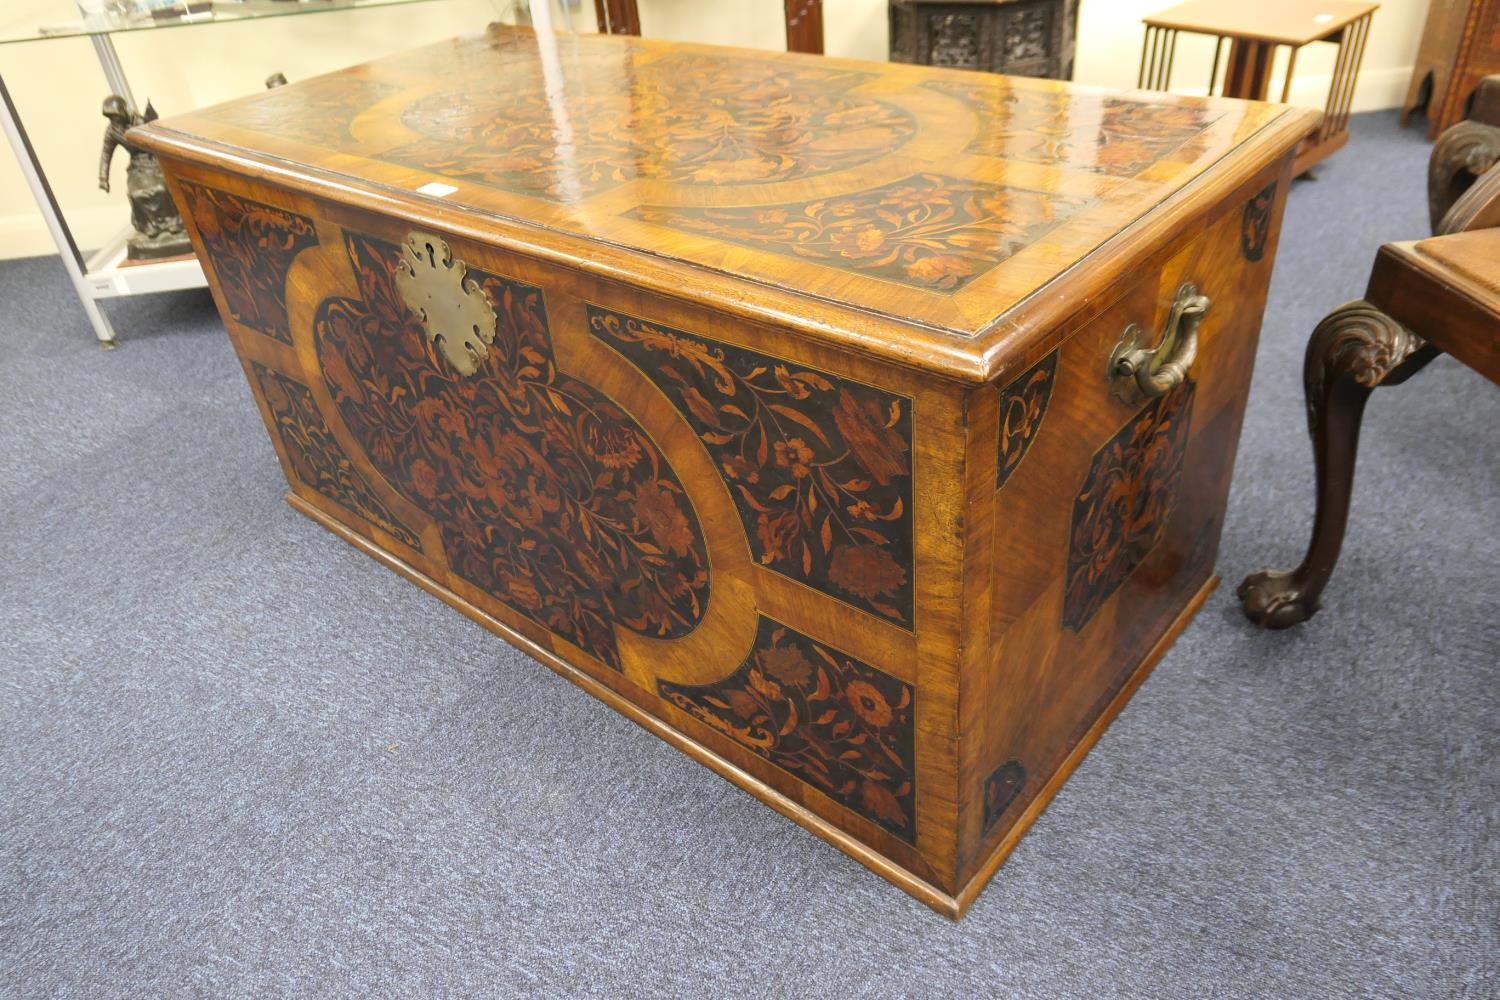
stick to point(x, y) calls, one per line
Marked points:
point(804, 22)
point(1425, 298)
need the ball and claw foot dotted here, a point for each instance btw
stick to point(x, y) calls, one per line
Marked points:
point(1275, 599)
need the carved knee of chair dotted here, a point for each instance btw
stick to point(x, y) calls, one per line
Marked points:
point(1464, 152)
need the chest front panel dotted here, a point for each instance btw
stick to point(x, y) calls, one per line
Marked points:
point(733, 538)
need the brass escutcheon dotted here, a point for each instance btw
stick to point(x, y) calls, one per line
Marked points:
point(458, 317)
point(1138, 372)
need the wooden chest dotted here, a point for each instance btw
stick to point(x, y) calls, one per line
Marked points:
point(802, 410)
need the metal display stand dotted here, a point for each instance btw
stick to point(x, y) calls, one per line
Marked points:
point(106, 274)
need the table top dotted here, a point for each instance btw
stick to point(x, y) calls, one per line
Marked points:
point(906, 209)
point(1285, 22)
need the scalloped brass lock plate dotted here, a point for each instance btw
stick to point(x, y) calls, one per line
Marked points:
point(453, 309)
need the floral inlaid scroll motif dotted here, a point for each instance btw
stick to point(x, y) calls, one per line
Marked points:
point(927, 231)
point(549, 496)
point(690, 119)
point(1001, 789)
point(818, 466)
point(1255, 224)
point(316, 457)
point(1107, 135)
point(1121, 512)
point(250, 247)
point(828, 719)
point(1023, 403)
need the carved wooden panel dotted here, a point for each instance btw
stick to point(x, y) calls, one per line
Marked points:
point(1022, 37)
point(837, 723)
point(955, 40)
point(1025, 34)
point(819, 466)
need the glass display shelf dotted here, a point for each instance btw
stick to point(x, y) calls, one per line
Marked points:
point(109, 273)
point(70, 20)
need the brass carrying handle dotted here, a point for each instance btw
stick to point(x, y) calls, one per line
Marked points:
point(1141, 372)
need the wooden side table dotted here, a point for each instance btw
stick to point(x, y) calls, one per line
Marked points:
point(1254, 31)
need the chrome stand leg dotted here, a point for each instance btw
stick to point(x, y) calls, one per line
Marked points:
point(72, 260)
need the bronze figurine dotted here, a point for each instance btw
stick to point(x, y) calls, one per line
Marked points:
point(159, 230)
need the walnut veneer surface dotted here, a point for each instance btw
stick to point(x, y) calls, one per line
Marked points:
point(772, 399)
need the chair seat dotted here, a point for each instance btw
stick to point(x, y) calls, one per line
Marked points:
point(1447, 291)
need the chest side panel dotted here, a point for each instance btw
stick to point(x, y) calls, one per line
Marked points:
point(740, 533)
point(1098, 513)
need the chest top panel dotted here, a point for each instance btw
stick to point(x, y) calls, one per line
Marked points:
point(905, 195)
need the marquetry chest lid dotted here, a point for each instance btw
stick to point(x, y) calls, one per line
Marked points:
point(938, 218)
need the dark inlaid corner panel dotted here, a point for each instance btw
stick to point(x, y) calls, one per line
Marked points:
point(1255, 224)
point(1023, 404)
point(317, 458)
point(1001, 789)
point(834, 722)
point(316, 111)
point(250, 247)
point(1116, 136)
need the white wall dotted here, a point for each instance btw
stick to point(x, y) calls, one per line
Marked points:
point(58, 86)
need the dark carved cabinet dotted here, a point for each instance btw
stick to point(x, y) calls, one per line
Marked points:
point(1460, 47)
point(1019, 37)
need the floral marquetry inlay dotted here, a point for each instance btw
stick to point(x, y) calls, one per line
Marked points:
point(884, 204)
point(317, 459)
point(307, 112)
point(550, 497)
point(686, 118)
point(929, 231)
point(1023, 403)
point(1121, 512)
point(836, 723)
point(818, 466)
point(250, 247)
point(1109, 135)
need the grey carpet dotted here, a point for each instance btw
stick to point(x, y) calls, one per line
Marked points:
point(238, 758)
